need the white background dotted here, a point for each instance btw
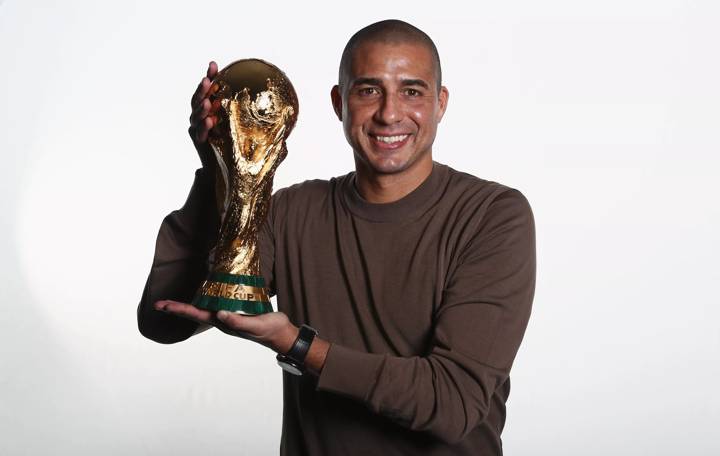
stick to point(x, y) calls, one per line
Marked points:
point(604, 114)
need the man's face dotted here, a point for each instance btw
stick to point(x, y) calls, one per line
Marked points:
point(390, 106)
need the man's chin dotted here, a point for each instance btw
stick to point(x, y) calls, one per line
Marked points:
point(388, 166)
point(385, 163)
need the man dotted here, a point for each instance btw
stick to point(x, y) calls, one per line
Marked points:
point(418, 278)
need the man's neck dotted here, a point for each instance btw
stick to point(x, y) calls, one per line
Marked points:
point(387, 188)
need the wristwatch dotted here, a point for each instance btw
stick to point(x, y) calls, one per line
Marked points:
point(294, 361)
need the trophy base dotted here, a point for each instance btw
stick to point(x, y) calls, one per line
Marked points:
point(243, 294)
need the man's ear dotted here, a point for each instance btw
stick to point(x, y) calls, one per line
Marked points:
point(336, 101)
point(443, 97)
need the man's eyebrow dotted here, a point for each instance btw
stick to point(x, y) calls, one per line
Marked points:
point(378, 82)
point(367, 81)
point(415, 82)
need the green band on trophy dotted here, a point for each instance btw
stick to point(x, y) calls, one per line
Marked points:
point(232, 291)
point(249, 280)
point(215, 303)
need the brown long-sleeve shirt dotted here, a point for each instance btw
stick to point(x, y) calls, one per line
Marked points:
point(425, 301)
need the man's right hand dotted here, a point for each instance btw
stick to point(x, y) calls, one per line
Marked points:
point(202, 117)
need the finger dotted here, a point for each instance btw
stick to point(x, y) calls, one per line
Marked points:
point(203, 108)
point(186, 311)
point(200, 92)
point(240, 325)
point(204, 128)
point(251, 324)
point(212, 69)
point(200, 111)
point(213, 130)
point(201, 125)
point(236, 322)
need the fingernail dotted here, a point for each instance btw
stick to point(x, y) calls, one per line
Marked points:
point(222, 315)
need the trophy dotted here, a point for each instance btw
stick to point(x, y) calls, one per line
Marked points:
point(256, 109)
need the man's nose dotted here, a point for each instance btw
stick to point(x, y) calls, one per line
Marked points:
point(390, 110)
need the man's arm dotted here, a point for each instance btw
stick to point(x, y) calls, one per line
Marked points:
point(478, 330)
point(180, 263)
point(186, 235)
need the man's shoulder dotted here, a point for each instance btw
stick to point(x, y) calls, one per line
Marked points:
point(311, 187)
point(481, 209)
point(312, 192)
point(470, 188)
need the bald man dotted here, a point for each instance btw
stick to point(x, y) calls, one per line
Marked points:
point(403, 288)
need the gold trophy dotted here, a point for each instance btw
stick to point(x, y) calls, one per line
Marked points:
point(256, 109)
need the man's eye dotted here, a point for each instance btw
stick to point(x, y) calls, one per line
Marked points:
point(366, 91)
point(412, 92)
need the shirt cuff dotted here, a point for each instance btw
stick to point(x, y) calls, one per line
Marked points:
point(350, 372)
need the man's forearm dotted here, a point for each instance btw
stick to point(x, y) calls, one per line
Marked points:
point(316, 356)
point(180, 262)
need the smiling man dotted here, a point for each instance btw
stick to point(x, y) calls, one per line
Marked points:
point(394, 101)
point(413, 282)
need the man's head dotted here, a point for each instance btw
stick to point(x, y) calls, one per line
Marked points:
point(391, 31)
point(390, 97)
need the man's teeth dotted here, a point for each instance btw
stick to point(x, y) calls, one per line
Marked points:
point(391, 139)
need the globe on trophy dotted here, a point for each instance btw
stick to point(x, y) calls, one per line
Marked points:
point(256, 110)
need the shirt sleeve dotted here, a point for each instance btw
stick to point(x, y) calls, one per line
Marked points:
point(180, 264)
point(477, 332)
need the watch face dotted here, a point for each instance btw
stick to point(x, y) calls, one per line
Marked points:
point(289, 367)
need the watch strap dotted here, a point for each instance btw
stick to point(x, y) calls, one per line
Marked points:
point(300, 348)
point(294, 360)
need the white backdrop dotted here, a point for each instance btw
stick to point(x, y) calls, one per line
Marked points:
point(604, 114)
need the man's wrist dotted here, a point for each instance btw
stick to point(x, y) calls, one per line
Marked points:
point(315, 358)
point(286, 338)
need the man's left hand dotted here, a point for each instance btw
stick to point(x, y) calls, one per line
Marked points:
point(273, 330)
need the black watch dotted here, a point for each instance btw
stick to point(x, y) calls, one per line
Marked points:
point(294, 360)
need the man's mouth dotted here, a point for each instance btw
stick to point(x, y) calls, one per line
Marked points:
point(390, 142)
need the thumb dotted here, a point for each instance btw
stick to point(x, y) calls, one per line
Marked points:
point(233, 320)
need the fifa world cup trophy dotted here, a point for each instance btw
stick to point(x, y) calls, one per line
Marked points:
point(256, 108)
